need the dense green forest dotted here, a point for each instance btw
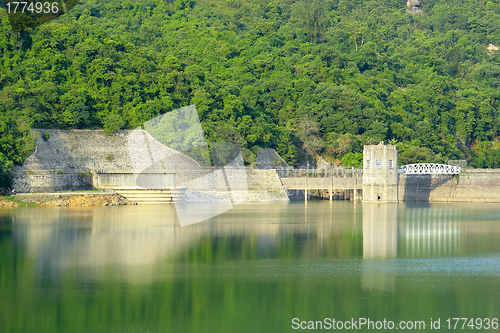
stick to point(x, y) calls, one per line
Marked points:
point(306, 77)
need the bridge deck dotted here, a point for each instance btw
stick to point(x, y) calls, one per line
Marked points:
point(321, 183)
point(329, 184)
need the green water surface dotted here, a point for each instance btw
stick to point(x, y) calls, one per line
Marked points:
point(252, 269)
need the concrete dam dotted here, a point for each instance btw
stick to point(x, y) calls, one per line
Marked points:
point(79, 160)
point(89, 159)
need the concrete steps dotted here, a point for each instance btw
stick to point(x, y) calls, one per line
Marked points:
point(152, 196)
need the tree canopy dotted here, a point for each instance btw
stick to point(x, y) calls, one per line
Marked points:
point(302, 76)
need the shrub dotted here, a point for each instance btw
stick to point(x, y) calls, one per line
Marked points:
point(5, 178)
point(46, 136)
point(113, 122)
point(353, 160)
point(110, 157)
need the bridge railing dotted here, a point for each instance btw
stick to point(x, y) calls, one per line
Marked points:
point(320, 173)
point(428, 169)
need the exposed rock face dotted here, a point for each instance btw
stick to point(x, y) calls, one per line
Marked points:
point(70, 199)
point(491, 48)
point(89, 200)
point(7, 204)
point(413, 7)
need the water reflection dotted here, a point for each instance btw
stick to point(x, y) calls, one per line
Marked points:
point(135, 238)
point(380, 230)
point(431, 232)
point(86, 239)
point(380, 241)
point(135, 269)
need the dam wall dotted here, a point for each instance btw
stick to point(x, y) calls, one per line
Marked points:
point(69, 160)
point(260, 185)
point(264, 185)
point(472, 185)
point(92, 150)
point(79, 160)
point(50, 181)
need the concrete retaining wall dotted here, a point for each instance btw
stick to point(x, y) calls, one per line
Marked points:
point(48, 181)
point(130, 181)
point(473, 185)
point(85, 150)
point(264, 185)
point(69, 153)
point(36, 198)
point(64, 161)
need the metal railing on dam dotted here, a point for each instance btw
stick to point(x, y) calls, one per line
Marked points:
point(319, 173)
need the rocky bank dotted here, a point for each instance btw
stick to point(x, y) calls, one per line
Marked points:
point(67, 199)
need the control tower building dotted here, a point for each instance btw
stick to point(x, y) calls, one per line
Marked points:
point(380, 173)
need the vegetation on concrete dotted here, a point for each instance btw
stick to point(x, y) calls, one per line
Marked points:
point(302, 76)
point(12, 201)
point(46, 136)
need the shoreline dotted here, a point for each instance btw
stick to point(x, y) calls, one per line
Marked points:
point(68, 199)
point(86, 199)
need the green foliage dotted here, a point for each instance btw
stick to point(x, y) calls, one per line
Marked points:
point(110, 157)
point(417, 155)
point(5, 178)
point(59, 172)
point(303, 77)
point(353, 160)
point(12, 198)
point(486, 155)
point(46, 136)
point(112, 123)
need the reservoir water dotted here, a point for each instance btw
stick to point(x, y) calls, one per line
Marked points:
point(256, 268)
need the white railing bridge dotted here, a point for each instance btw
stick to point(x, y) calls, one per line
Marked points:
point(428, 169)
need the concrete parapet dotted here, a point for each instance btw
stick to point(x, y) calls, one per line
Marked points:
point(153, 196)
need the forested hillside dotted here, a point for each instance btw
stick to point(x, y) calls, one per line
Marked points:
point(303, 77)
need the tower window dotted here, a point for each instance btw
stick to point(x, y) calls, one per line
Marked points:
point(367, 163)
point(379, 163)
point(390, 163)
